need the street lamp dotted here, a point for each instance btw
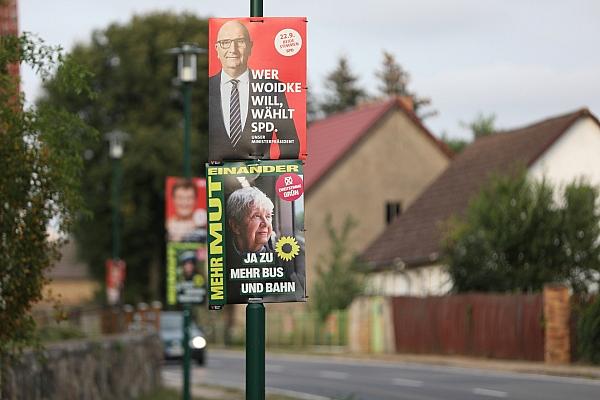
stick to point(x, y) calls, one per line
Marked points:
point(116, 141)
point(187, 72)
point(187, 61)
point(115, 268)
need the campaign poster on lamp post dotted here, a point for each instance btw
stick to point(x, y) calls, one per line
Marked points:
point(185, 211)
point(115, 279)
point(186, 273)
point(256, 233)
point(185, 225)
point(257, 88)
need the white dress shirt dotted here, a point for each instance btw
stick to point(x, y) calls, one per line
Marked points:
point(244, 91)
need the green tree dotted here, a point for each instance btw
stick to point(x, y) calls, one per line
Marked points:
point(312, 108)
point(514, 236)
point(134, 78)
point(456, 145)
point(482, 125)
point(588, 333)
point(339, 277)
point(394, 80)
point(343, 90)
point(40, 171)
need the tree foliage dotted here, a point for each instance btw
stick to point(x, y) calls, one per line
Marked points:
point(515, 236)
point(394, 80)
point(588, 333)
point(456, 145)
point(339, 278)
point(482, 125)
point(134, 78)
point(40, 171)
point(343, 90)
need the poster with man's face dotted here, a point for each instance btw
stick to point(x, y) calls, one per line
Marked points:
point(115, 279)
point(257, 88)
point(256, 233)
point(185, 201)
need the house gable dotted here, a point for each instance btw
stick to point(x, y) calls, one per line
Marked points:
point(576, 154)
point(393, 162)
point(414, 239)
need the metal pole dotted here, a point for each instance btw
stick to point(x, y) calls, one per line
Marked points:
point(256, 8)
point(187, 171)
point(187, 100)
point(116, 183)
point(255, 315)
point(255, 352)
point(187, 311)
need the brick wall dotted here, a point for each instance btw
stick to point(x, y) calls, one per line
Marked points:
point(557, 314)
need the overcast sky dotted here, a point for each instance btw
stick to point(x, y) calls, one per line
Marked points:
point(522, 60)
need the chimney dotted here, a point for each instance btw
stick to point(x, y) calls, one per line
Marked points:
point(8, 17)
point(407, 102)
point(9, 25)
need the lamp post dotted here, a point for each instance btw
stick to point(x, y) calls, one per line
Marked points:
point(255, 315)
point(187, 72)
point(116, 141)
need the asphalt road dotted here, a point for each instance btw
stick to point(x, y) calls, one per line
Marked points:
point(320, 378)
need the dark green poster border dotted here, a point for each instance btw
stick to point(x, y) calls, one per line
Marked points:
point(217, 248)
point(217, 288)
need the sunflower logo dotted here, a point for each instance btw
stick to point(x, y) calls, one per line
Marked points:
point(287, 248)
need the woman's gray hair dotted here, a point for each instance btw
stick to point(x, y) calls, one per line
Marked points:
point(242, 200)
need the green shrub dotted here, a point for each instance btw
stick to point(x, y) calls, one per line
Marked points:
point(55, 333)
point(588, 332)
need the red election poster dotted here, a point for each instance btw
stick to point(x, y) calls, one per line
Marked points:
point(115, 279)
point(257, 88)
point(185, 209)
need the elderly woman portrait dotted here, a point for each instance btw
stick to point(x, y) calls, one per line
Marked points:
point(250, 214)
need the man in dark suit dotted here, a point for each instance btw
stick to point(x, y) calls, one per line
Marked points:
point(236, 130)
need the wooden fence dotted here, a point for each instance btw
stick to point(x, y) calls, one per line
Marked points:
point(481, 325)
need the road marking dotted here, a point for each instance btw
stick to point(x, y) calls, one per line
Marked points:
point(407, 382)
point(489, 392)
point(333, 375)
point(273, 368)
point(296, 395)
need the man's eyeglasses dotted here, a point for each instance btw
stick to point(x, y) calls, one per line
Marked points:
point(226, 43)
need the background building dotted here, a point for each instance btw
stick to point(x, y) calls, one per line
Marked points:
point(406, 258)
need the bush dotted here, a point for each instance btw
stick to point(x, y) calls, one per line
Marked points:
point(588, 333)
point(59, 332)
point(518, 235)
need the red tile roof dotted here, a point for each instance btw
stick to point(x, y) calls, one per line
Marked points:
point(330, 139)
point(415, 237)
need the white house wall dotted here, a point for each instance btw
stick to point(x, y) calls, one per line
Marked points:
point(431, 280)
point(576, 154)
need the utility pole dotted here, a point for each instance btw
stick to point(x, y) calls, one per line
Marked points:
point(187, 74)
point(255, 315)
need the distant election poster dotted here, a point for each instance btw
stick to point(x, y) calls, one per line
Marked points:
point(186, 273)
point(185, 225)
point(257, 88)
point(185, 200)
point(256, 233)
point(115, 279)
